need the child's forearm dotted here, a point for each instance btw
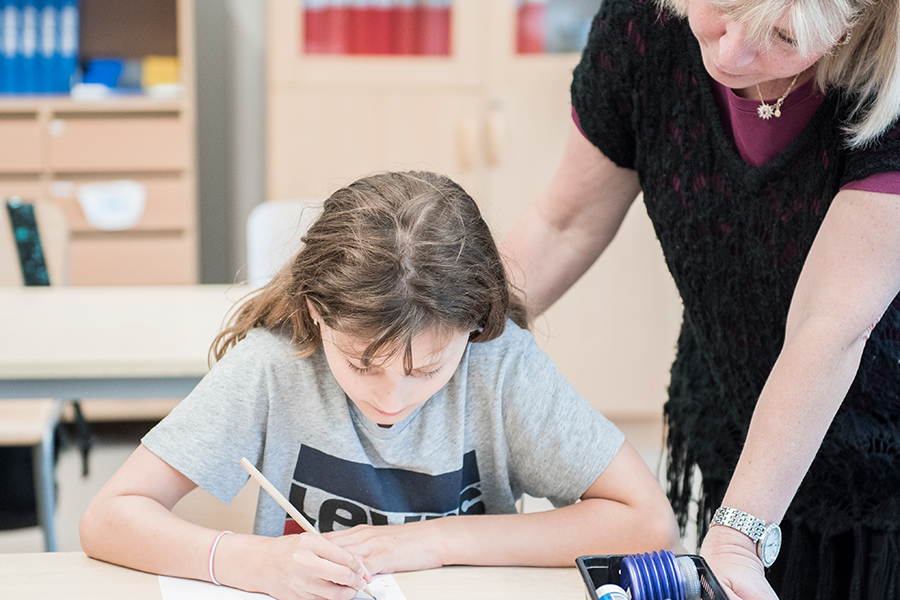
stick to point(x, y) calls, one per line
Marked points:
point(137, 532)
point(552, 538)
point(555, 537)
point(140, 533)
point(622, 512)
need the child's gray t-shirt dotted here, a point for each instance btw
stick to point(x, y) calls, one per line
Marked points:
point(506, 423)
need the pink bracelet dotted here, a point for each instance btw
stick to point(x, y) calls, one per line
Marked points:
point(212, 553)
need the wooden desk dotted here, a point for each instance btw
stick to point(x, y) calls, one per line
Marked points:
point(74, 576)
point(108, 342)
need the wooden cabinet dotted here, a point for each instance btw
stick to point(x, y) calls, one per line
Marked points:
point(495, 120)
point(52, 145)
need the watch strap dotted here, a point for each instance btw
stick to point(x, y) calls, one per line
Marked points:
point(738, 519)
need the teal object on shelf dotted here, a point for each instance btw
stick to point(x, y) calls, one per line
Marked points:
point(28, 242)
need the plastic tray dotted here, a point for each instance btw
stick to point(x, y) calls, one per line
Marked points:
point(604, 568)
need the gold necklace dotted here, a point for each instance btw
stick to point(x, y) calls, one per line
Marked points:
point(767, 111)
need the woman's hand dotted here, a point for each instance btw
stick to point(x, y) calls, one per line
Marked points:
point(390, 548)
point(301, 567)
point(732, 557)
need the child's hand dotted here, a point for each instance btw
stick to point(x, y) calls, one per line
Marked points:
point(391, 548)
point(308, 566)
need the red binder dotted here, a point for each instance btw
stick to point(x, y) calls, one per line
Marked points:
point(530, 27)
point(338, 26)
point(435, 28)
point(378, 20)
point(404, 27)
point(315, 29)
point(357, 40)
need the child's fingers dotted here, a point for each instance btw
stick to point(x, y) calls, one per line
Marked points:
point(340, 575)
point(331, 591)
point(340, 565)
point(355, 537)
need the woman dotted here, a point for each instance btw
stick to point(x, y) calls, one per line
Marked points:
point(764, 137)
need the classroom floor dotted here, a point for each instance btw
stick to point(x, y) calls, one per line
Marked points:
point(114, 442)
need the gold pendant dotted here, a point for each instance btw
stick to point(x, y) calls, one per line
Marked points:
point(765, 111)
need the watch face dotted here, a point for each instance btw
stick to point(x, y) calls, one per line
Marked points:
point(769, 545)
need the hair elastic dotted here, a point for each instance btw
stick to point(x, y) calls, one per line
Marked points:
point(212, 553)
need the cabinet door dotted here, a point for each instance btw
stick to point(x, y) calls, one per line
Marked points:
point(613, 333)
point(322, 138)
point(527, 99)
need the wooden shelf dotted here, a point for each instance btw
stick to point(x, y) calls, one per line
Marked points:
point(51, 144)
point(11, 105)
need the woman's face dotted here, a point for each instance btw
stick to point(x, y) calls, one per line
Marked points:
point(383, 391)
point(741, 64)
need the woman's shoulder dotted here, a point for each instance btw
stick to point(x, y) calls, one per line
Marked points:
point(638, 17)
point(880, 156)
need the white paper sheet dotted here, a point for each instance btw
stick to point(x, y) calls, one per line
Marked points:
point(173, 588)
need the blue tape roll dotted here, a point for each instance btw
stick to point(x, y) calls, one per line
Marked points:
point(655, 576)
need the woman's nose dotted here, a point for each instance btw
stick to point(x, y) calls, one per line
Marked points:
point(734, 50)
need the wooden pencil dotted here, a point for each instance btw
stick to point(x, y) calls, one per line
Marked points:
point(304, 524)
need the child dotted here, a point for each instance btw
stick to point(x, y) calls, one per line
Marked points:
point(382, 380)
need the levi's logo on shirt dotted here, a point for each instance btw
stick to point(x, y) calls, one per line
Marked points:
point(337, 494)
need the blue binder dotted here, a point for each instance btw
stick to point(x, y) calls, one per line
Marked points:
point(67, 45)
point(46, 46)
point(9, 46)
point(28, 37)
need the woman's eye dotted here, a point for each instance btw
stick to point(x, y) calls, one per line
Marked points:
point(785, 39)
point(360, 370)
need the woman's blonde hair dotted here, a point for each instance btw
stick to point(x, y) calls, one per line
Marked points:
point(866, 64)
point(391, 256)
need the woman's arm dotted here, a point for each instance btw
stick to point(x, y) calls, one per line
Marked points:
point(570, 224)
point(129, 522)
point(849, 279)
point(623, 511)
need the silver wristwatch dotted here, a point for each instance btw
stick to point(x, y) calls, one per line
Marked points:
point(767, 537)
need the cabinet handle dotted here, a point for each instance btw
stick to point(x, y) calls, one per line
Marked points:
point(495, 128)
point(57, 127)
point(467, 143)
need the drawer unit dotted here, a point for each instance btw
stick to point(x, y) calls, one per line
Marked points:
point(117, 142)
point(20, 143)
point(133, 259)
point(169, 207)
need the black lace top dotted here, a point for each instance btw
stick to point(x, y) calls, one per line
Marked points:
point(735, 238)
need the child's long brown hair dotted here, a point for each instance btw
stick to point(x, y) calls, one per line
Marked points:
point(391, 256)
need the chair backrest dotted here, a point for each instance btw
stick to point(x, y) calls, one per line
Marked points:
point(274, 232)
point(53, 229)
